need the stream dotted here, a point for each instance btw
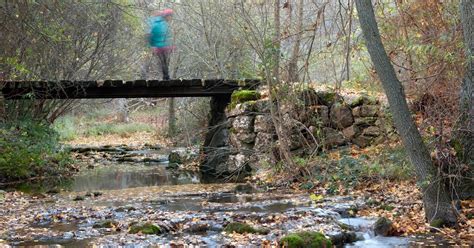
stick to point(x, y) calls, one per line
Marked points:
point(97, 207)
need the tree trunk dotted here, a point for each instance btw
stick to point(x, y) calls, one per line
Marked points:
point(171, 118)
point(123, 110)
point(436, 200)
point(277, 40)
point(293, 63)
point(465, 132)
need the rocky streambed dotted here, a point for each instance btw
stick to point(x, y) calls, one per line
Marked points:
point(110, 205)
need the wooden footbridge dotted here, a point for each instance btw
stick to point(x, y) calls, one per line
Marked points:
point(123, 89)
point(215, 147)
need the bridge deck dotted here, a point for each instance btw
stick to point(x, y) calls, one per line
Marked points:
point(122, 89)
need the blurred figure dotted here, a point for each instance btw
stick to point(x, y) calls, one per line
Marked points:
point(160, 39)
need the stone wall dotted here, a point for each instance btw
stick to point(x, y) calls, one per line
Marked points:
point(320, 120)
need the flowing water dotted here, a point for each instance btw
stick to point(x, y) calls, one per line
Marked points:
point(192, 213)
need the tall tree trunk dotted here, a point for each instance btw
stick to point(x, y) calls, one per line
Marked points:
point(465, 132)
point(277, 40)
point(437, 202)
point(171, 117)
point(295, 54)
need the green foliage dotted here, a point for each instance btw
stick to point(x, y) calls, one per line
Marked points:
point(146, 228)
point(389, 163)
point(117, 128)
point(242, 96)
point(66, 128)
point(30, 149)
point(305, 240)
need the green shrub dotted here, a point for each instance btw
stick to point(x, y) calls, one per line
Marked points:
point(305, 240)
point(30, 149)
point(66, 128)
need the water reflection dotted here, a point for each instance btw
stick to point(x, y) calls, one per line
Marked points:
point(129, 176)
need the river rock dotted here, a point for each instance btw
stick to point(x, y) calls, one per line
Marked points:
point(341, 116)
point(383, 226)
point(197, 228)
point(68, 235)
point(344, 237)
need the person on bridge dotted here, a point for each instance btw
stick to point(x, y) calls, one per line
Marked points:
point(160, 39)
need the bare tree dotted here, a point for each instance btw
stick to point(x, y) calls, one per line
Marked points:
point(465, 131)
point(437, 202)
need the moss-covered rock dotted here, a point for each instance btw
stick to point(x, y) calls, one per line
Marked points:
point(305, 240)
point(364, 99)
point(241, 228)
point(383, 227)
point(146, 228)
point(328, 98)
point(437, 223)
point(106, 224)
point(242, 96)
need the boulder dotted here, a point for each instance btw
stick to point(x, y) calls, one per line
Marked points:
point(244, 123)
point(235, 142)
point(341, 116)
point(305, 239)
point(237, 162)
point(296, 141)
point(366, 111)
point(181, 155)
point(364, 99)
point(362, 141)
point(328, 98)
point(262, 106)
point(263, 123)
point(365, 121)
point(242, 109)
point(372, 131)
point(246, 137)
point(333, 138)
point(351, 132)
point(383, 227)
point(263, 142)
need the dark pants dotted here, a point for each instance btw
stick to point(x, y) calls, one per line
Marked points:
point(164, 60)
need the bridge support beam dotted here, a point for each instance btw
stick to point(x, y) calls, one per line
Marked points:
point(216, 145)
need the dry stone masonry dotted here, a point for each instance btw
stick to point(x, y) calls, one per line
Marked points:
point(324, 120)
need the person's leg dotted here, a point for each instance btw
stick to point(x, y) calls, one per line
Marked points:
point(164, 61)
